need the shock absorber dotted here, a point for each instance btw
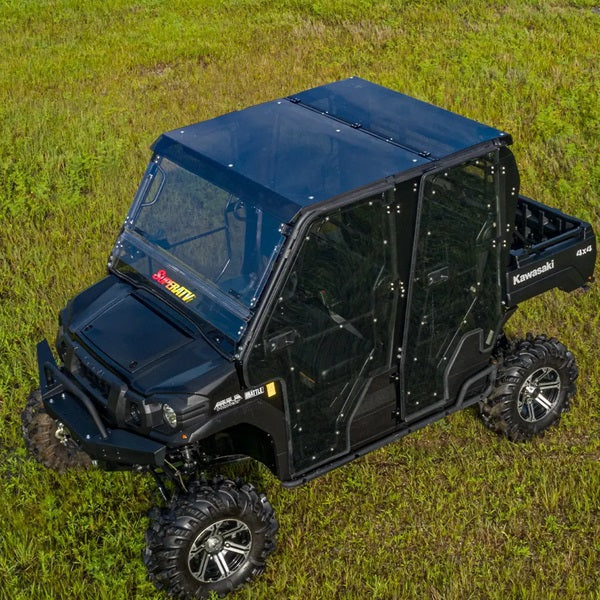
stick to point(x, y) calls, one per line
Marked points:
point(189, 462)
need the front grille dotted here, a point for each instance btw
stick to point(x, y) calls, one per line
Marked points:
point(94, 380)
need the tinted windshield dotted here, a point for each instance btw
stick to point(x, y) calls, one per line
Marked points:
point(208, 249)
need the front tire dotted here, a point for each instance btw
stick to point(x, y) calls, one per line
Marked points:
point(48, 440)
point(212, 539)
point(534, 386)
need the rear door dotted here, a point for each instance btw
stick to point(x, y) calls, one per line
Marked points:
point(455, 291)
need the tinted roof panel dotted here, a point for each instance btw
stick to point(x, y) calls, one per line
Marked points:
point(296, 152)
point(291, 153)
point(414, 124)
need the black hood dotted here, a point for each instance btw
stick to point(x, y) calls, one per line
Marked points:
point(152, 347)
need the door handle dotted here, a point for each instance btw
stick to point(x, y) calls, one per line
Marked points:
point(282, 340)
point(438, 276)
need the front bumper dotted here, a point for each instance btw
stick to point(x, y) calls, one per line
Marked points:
point(67, 403)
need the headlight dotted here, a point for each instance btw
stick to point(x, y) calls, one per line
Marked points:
point(169, 415)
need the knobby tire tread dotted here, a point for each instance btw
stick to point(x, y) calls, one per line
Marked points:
point(173, 529)
point(39, 430)
point(523, 356)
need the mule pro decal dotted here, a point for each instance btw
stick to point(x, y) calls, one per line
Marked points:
point(227, 402)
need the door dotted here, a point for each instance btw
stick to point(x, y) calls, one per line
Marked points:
point(328, 334)
point(455, 292)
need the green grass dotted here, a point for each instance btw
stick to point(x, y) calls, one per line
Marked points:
point(451, 512)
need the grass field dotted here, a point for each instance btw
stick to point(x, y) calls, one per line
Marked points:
point(451, 512)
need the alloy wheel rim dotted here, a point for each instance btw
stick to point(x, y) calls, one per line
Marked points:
point(539, 394)
point(220, 550)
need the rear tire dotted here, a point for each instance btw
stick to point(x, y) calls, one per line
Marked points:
point(212, 539)
point(534, 386)
point(48, 441)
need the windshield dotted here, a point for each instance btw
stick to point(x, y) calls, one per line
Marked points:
point(209, 250)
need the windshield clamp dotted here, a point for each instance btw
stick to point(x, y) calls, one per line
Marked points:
point(285, 229)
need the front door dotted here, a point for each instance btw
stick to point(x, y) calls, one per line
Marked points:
point(328, 334)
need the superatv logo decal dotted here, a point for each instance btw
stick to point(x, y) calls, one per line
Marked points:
point(175, 288)
point(517, 279)
point(228, 402)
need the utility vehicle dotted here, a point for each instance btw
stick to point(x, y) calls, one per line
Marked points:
point(300, 283)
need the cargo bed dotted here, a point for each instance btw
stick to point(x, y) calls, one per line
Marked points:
point(549, 249)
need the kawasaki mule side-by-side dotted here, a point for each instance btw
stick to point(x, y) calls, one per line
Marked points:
point(300, 283)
